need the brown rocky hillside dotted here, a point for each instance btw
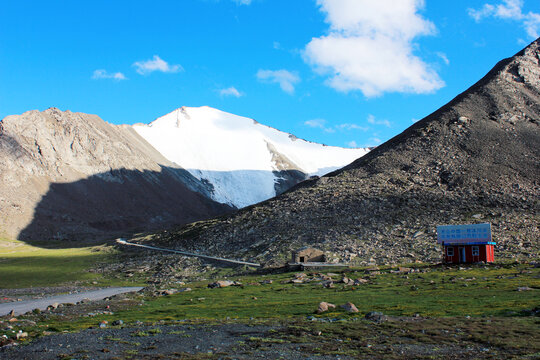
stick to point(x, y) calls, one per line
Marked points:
point(72, 176)
point(477, 159)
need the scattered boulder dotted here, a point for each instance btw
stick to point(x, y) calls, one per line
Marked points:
point(324, 306)
point(117, 323)
point(328, 284)
point(21, 335)
point(350, 307)
point(169, 292)
point(184, 289)
point(376, 316)
point(103, 324)
point(222, 284)
point(360, 281)
point(524, 288)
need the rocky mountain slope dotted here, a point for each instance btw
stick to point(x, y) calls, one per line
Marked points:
point(477, 159)
point(241, 161)
point(67, 175)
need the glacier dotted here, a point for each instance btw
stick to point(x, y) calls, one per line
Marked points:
point(241, 159)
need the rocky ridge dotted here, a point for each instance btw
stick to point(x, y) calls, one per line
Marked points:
point(66, 175)
point(477, 159)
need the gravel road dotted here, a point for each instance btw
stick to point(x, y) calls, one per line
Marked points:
point(21, 307)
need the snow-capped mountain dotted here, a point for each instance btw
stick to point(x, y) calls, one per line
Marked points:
point(242, 162)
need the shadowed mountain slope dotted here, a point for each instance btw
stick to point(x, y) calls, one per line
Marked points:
point(72, 176)
point(477, 159)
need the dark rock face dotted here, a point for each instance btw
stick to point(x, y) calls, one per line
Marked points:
point(72, 176)
point(477, 159)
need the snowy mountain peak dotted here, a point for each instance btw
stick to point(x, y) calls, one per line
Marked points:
point(244, 161)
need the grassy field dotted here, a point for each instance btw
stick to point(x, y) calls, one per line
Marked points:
point(434, 309)
point(23, 265)
point(440, 292)
point(476, 292)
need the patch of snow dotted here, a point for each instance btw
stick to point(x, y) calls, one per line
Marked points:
point(232, 152)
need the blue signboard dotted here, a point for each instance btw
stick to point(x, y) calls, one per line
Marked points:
point(459, 234)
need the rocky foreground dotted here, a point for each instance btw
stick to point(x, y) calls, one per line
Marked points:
point(477, 159)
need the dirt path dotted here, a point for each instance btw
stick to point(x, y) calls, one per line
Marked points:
point(21, 307)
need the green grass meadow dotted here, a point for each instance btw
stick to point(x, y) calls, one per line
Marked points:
point(23, 266)
point(490, 291)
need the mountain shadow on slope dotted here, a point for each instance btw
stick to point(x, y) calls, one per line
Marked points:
point(116, 203)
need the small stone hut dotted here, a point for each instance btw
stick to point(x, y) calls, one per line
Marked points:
point(308, 254)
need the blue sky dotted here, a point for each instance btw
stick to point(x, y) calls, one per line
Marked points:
point(339, 72)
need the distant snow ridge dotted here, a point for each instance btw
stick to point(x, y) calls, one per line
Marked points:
point(243, 161)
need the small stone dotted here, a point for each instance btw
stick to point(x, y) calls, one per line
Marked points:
point(117, 323)
point(360, 281)
point(329, 284)
point(169, 292)
point(221, 284)
point(21, 335)
point(376, 316)
point(103, 324)
point(350, 307)
point(524, 288)
point(324, 306)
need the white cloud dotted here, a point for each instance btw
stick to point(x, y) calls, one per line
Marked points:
point(242, 2)
point(443, 57)
point(372, 120)
point(375, 140)
point(156, 64)
point(103, 74)
point(321, 124)
point(348, 127)
point(372, 141)
point(370, 47)
point(284, 78)
point(509, 10)
point(316, 123)
point(352, 144)
point(230, 91)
